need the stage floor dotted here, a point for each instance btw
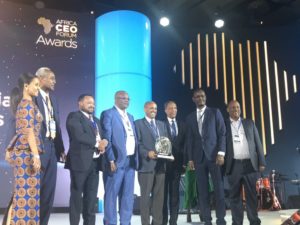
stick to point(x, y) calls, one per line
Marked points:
point(267, 218)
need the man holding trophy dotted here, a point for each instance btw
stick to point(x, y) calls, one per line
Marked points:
point(154, 147)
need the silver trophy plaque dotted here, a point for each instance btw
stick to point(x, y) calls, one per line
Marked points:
point(163, 148)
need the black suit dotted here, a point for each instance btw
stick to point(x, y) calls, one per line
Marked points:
point(203, 150)
point(173, 173)
point(52, 151)
point(151, 174)
point(84, 169)
point(244, 172)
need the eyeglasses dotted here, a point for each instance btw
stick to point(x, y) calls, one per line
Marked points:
point(124, 98)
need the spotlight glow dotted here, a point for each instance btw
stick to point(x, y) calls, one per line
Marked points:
point(219, 23)
point(164, 21)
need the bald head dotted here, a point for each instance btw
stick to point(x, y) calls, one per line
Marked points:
point(234, 109)
point(121, 99)
point(150, 109)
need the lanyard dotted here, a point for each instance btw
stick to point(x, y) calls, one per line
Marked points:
point(50, 111)
point(239, 126)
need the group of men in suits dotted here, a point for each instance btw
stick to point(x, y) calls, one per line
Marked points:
point(118, 145)
point(210, 144)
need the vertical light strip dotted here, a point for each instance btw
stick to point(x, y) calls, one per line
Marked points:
point(199, 61)
point(269, 93)
point(263, 130)
point(232, 70)
point(242, 80)
point(182, 67)
point(286, 87)
point(216, 62)
point(278, 95)
point(224, 69)
point(295, 84)
point(191, 67)
point(207, 62)
point(251, 80)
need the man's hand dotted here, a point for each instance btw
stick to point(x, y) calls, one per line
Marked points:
point(262, 168)
point(152, 155)
point(113, 166)
point(102, 145)
point(191, 165)
point(220, 160)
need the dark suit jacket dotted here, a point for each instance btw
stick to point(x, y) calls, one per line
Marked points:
point(213, 136)
point(115, 133)
point(255, 147)
point(177, 145)
point(146, 143)
point(58, 142)
point(82, 142)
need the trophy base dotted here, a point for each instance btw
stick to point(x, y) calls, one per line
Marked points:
point(170, 157)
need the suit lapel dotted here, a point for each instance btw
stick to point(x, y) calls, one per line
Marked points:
point(195, 121)
point(245, 127)
point(40, 104)
point(207, 115)
point(87, 122)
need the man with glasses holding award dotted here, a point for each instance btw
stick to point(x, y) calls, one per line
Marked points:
point(154, 147)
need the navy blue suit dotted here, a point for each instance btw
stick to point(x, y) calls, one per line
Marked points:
point(121, 182)
point(52, 152)
point(203, 151)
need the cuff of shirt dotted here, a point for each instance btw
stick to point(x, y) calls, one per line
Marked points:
point(97, 144)
point(221, 153)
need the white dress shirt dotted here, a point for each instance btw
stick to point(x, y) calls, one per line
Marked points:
point(130, 140)
point(170, 124)
point(239, 140)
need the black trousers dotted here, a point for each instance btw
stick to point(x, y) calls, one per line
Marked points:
point(84, 188)
point(242, 173)
point(171, 196)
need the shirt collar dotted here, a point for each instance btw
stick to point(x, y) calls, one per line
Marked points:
point(235, 121)
point(122, 112)
point(170, 120)
point(43, 94)
point(149, 120)
point(86, 114)
point(201, 111)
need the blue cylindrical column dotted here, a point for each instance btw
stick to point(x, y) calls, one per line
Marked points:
point(123, 59)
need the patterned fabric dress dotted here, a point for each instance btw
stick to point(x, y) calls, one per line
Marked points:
point(26, 197)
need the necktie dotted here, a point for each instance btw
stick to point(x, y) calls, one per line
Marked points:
point(200, 122)
point(153, 127)
point(173, 129)
point(94, 125)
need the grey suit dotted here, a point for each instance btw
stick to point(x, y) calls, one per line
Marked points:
point(244, 172)
point(151, 172)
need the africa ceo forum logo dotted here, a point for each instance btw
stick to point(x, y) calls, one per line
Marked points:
point(64, 31)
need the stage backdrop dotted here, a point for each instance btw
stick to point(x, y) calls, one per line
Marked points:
point(31, 38)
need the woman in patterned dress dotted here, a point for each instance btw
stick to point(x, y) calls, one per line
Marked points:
point(23, 154)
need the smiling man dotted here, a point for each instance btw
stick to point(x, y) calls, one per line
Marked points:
point(84, 160)
point(151, 169)
point(121, 160)
point(244, 159)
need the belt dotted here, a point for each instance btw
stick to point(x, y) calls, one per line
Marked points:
point(242, 160)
